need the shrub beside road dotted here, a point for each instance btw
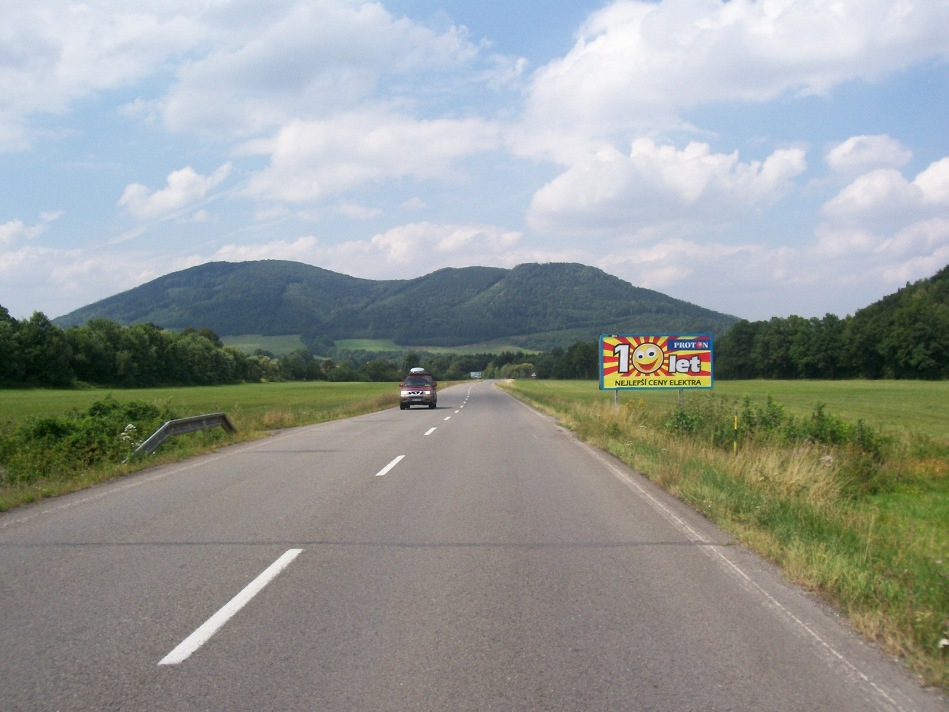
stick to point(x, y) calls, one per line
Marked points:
point(58, 441)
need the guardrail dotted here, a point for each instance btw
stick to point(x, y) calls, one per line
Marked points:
point(179, 426)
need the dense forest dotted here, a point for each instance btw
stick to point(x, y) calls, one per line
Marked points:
point(904, 335)
point(37, 353)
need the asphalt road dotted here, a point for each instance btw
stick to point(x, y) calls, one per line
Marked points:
point(498, 565)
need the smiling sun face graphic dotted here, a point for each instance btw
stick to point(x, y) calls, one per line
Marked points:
point(647, 358)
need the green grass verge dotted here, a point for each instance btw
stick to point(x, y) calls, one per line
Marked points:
point(253, 399)
point(858, 513)
point(910, 406)
point(89, 457)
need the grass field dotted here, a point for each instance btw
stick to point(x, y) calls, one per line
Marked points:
point(283, 345)
point(277, 345)
point(248, 401)
point(254, 409)
point(914, 406)
point(383, 345)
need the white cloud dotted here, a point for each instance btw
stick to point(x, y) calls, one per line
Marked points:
point(668, 265)
point(847, 243)
point(856, 268)
point(885, 196)
point(882, 192)
point(185, 188)
point(409, 244)
point(305, 60)
point(240, 67)
point(21, 266)
point(303, 249)
point(357, 211)
point(919, 251)
point(657, 183)
point(913, 252)
point(865, 153)
point(883, 230)
point(414, 204)
point(14, 230)
point(313, 160)
point(406, 251)
point(926, 239)
point(934, 183)
point(58, 52)
point(56, 281)
point(639, 64)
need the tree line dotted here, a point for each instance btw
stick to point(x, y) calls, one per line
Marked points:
point(903, 336)
point(35, 352)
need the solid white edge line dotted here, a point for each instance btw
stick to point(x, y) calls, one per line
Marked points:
point(203, 634)
point(430, 431)
point(385, 470)
point(715, 553)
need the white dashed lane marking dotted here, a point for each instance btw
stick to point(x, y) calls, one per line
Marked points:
point(213, 624)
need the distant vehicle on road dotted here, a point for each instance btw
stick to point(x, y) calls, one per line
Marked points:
point(419, 387)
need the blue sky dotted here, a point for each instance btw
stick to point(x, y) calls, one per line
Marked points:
point(761, 158)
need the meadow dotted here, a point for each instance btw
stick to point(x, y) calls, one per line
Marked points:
point(282, 345)
point(58, 441)
point(277, 345)
point(844, 485)
point(250, 404)
point(387, 345)
point(906, 406)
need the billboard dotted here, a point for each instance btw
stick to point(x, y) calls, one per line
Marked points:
point(649, 361)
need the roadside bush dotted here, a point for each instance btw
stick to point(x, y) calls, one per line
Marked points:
point(56, 447)
point(705, 418)
point(856, 451)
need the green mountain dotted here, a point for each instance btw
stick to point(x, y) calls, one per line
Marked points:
point(532, 305)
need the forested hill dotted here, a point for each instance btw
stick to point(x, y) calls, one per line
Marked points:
point(532, 305)
point(903, 335)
